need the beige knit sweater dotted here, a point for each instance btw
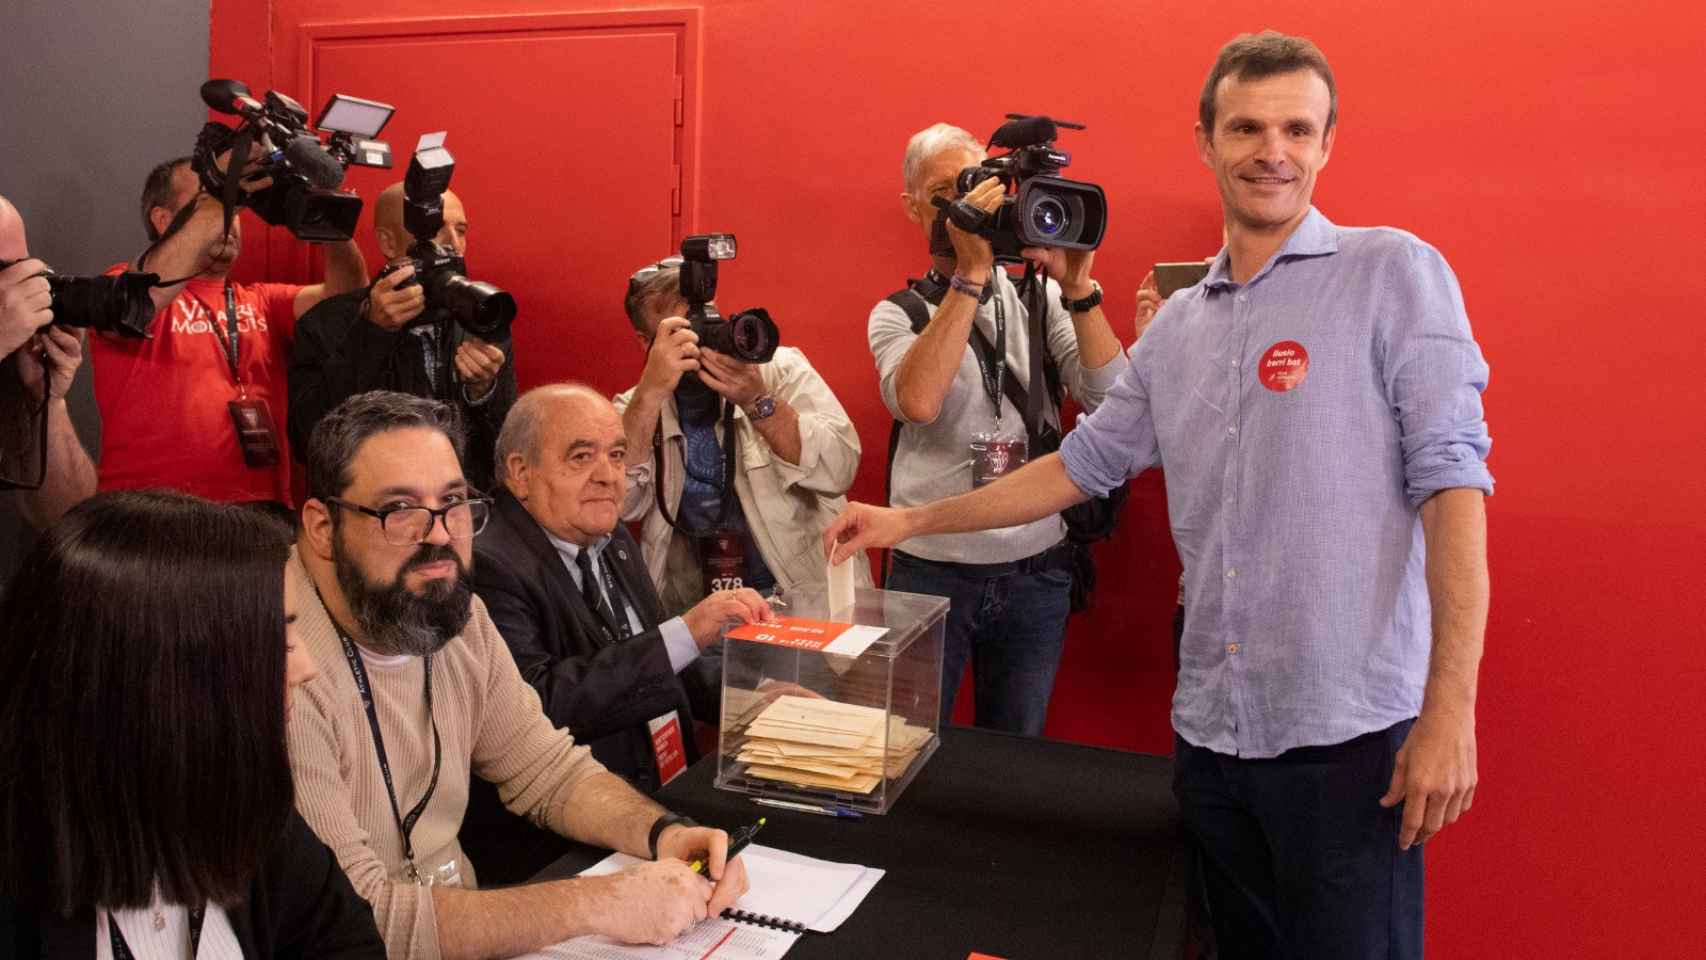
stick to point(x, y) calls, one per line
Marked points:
point(489, 722)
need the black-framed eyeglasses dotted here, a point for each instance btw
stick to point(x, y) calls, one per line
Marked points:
point(407, 526)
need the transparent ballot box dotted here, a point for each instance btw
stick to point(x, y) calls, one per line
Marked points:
point(836, 711)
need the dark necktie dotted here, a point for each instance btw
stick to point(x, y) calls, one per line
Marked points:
point(611, 608)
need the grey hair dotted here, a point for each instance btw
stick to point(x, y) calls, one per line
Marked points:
point(930, 141)
point(523, 431)
point(339, 434)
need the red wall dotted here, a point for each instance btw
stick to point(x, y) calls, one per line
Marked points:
point(1552, 153)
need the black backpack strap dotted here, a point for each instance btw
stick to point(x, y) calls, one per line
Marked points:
point(918, 311)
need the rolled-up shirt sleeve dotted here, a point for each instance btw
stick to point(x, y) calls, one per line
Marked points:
point(890, 335)
point(829, 443)
point(637, 499)
point(1117, 441)
point(1433, 374)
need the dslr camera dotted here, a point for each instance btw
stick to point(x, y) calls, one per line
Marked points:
point(117, 304)
point(749, 336)
point(481, 308)
point(1043, 209)
point(304, 197)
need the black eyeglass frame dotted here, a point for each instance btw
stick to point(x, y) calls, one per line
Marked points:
point(436, 516)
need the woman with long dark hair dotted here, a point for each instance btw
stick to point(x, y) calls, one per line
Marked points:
point(145, 792)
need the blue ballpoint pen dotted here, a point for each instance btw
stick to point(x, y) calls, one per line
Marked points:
point(841, 812)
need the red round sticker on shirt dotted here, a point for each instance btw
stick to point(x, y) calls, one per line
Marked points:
point(1283, 366)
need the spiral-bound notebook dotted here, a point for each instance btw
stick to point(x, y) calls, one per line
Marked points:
point(787, 895)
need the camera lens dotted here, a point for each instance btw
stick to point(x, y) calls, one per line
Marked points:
point(753, 336)
point(1049, 217)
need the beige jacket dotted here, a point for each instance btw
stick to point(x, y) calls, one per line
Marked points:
point(787, 506)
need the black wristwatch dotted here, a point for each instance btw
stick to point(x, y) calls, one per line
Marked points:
point(1090, 302)
point(664, 823)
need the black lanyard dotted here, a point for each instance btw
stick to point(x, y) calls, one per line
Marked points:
point(229, 337)
point(405, 824)
point(725, 510)
point(121, 949)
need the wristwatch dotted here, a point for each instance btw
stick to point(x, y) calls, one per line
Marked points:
point(762, 408)
point(1090, 302)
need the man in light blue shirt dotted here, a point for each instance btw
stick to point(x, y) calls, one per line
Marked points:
point(1315, 403)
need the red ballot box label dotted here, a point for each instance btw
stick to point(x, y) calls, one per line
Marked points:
point(801, 634)
point(981, 956)
point(667, 747)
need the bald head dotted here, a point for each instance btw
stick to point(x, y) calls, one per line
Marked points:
point(394, 240)
point(13, 245)
point(563, 453)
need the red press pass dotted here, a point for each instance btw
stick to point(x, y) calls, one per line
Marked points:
point(1283, 366)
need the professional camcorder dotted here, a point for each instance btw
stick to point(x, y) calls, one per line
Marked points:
point(304, 196)
point(749, 336)
point(481, 308)
point(117, 304)
point(1043, 210)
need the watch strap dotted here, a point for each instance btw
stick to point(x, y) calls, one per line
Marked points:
point(1090, 302)
point(664, 823)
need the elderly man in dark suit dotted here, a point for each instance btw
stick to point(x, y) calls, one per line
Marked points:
point(567, 588)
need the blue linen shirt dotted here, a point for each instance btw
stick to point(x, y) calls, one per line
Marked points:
point(677, 639)
point(1295, 511)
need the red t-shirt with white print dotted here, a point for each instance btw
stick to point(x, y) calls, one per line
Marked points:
point(164, 401)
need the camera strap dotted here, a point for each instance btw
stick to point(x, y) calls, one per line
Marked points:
point(405, 822)
point(725, 508)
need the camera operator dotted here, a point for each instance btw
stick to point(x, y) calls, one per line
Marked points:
point(794, 454)
point(385, 338)
point(200, 406)
point(37, 364)
point(1010, 588)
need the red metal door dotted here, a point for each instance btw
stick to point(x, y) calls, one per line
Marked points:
point(568, 132)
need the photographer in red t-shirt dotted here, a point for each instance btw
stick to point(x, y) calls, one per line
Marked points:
point(200, 405)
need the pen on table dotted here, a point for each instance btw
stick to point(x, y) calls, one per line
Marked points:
point(841, 812)
point(737, 843)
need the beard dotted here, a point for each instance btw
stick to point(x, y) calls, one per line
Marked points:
point(395, 619)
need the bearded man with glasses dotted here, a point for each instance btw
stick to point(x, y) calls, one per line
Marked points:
point(417, 692)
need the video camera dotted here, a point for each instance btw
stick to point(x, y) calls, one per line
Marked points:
point(1044, 210)
point(481, 308)
point(749, 336)
point(304, 196)
point(117, 304)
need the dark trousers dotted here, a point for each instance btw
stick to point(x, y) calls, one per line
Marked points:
point(1299, 859)
point(1009, 626)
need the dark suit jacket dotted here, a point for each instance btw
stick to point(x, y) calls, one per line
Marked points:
point(300, 906)
point(337, 354)
point(604, 690)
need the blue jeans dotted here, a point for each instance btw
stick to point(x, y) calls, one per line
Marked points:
point(1010, 626)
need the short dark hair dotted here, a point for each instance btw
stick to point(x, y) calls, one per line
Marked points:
point(1252, 56)
point(339, 434)
point(142, 672)
point(157, 192)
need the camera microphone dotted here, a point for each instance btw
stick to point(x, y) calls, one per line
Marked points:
point(230, 96)
point(307, 157)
